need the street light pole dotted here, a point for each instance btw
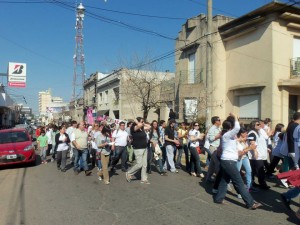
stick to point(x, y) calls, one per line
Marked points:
point(209, 80)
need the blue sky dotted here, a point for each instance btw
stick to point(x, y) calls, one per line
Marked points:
point(41, 34)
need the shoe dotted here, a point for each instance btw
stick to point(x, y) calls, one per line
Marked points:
point(76, 172)
point(178, 167)
point(99, 178)
point(255, 206)
point(145, 182)
point(45, 162)
point(52, 160)
point(106, 182)
point(215, 191)
point(254, 184)
point(164, 174)
point(63, 170)
point(201, 175)
point(112, 170)
point(284, 183)
point(88, 172)
point(239, 196)
point(124, 170)
point(285, 202)
point(128, 177)
point(193, 174)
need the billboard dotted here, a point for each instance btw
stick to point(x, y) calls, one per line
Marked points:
point(16, 75)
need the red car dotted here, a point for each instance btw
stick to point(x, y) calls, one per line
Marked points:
point(16, 147)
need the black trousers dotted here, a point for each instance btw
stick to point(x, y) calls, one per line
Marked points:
point(258, 169)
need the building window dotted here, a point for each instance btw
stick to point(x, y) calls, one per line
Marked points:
point(249, 106)
point(100, 97)
point(106, 97)
point(191, 69)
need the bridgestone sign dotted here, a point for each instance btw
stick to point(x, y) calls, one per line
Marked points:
point(16, 74)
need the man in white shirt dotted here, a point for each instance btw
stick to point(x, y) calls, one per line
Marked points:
point(119, 139)
point(69, 131)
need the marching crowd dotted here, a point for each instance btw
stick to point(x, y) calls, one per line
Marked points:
point(235, 153)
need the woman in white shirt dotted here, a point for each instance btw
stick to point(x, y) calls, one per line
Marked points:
point(62, 141)
point(194, 138)
point(229, 158)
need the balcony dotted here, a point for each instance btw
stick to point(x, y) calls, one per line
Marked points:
point(295, 67)
point(190, 76)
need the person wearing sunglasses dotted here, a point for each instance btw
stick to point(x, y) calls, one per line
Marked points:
point(257, 163)
point(194, 137)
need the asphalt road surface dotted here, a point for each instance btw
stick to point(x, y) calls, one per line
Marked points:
point(42, 195)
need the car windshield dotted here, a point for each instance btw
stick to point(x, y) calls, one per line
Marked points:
point(13, 137)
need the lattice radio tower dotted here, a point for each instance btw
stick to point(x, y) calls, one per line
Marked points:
point(79, 64)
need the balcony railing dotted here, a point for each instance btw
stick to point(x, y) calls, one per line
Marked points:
point(295, 66)
point(190, 76)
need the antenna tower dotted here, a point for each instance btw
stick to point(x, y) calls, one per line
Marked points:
point(79, 64)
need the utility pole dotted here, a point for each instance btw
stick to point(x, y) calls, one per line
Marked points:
point(79, 62)
point(209, 80)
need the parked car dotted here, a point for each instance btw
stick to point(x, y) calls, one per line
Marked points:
point(16, 147)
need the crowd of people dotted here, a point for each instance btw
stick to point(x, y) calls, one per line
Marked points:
point(235, 154)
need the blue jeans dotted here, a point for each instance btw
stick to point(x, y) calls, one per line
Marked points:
point(170, 158)
point(83, 155)
point(120, 153)
point(195, 161)
point(230, 172)
point(292, 193)
point(246, 164)
point(179, 156)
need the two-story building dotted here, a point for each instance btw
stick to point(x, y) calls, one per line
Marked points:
point(255, 66)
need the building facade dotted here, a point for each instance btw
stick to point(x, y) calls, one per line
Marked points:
point(119, 94)
point(255, 65)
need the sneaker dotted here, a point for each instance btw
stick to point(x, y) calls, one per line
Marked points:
point(45, 162)
point(145, 182)
point(284, 183)
point(285, 201)
point(52, 160)
point(106, 182)
point(201, 175)
point(239, 196)
point(99, 178)
point(88, 172)
point(215, 191)
point(193, 174)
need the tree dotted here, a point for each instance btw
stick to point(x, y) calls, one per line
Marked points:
point(145, 88)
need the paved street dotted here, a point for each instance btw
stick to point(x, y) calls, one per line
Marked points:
point(43, 195)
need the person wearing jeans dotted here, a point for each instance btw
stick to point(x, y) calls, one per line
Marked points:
point(139, 143)
point(119, 140)
point(194, 138)
point(230, 155)
point(79, 139)
point(170, 143)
